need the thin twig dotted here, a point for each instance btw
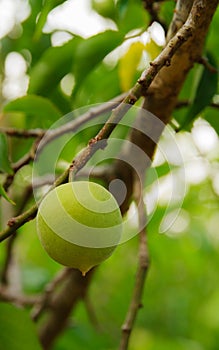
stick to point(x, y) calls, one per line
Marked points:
point(16, 222)
point(186, 103)
point(181, 13)
point(153, 8)
point(11, 241)
point(205, 62)
point(18, 299)
point(22, 133)
point(68, 127)
point(26, 159)
point(75, 124)
point(143, 265)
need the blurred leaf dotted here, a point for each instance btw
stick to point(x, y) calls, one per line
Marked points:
point(105, 8)
point(132, 15)
point(4, 194)
point(188, 90)
point(51, 67)
point(211, 115)
point(60, 100)
point(152, 49)
point(205, 91)
point(91, 52)
point(47, 7)
point(122, 6)
point(212, 42)
point(34, 106)
point(108, 86)
point(17, 330)
point(4, 160)
point(24, 42)
point(128, 65)
point(166, 11)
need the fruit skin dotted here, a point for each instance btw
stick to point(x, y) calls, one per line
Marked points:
point(79, 224)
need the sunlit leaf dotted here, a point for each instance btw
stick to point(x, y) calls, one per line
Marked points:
point(24, 42)
point(53, 65)
point(92, 51)
point(128, 65)
point(17, 330)
point(47, 7)
point(4, 159)
point(152, 49)
point(34, 106)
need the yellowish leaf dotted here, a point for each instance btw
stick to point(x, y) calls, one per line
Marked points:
point(129, 64)
point(152, 49)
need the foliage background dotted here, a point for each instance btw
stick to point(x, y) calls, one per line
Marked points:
point(181, 298)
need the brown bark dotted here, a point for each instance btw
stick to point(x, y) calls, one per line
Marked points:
point(60, 306)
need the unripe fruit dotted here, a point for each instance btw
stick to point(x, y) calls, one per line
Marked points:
point(79, 224)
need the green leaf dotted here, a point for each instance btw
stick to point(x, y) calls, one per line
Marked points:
point(205, 91)
point(4, 160)
point(166, 12)
point(132, 15)
point(17, 330)
point(48, 6)
point(4, 194)
point(53, 65)
point(24, 43)
point(91, 52)
point(34, 106)
point(122, 6)
point(211, 115)
point(108, 86)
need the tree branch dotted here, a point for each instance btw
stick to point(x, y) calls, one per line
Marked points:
point(75, 124)
point(23, 133)
point(10, 244)
point(153, 7)
point(18, 299)
point(74, 288)
point(143, 265)
point(181, 13)
point(135, 93)
point(43, 302)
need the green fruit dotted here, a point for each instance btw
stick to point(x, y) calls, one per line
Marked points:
point(105, 8)
point(79, 224)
